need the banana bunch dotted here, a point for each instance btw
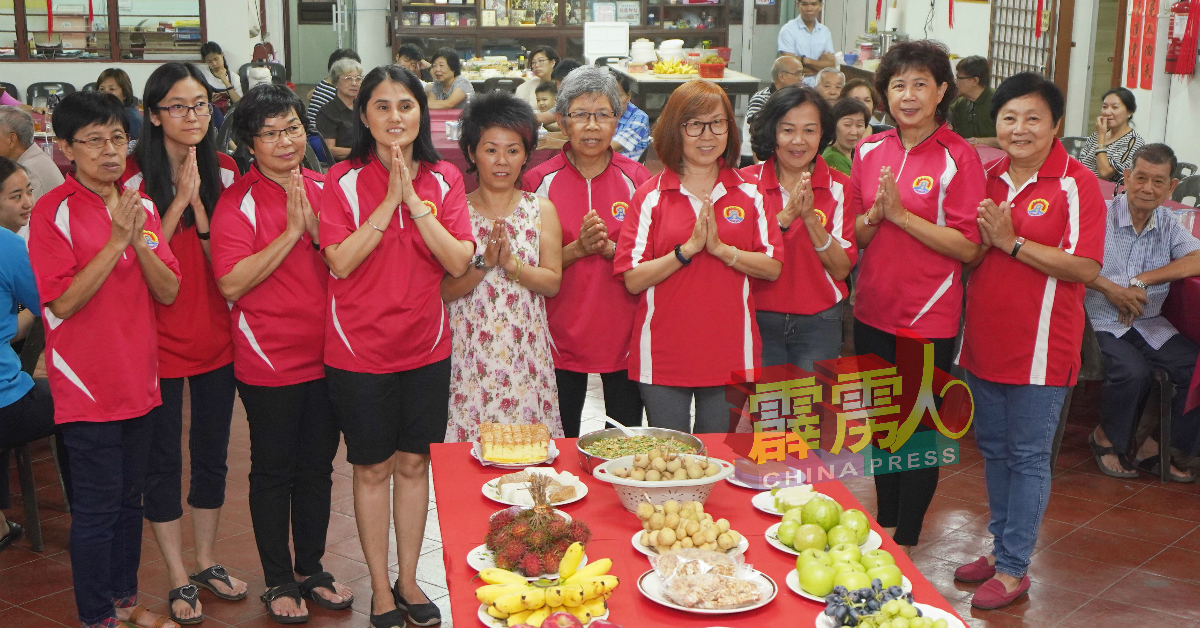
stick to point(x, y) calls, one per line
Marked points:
point(673, 66)
point(580, 592)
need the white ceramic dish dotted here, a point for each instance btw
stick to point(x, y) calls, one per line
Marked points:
point(736, 482)
point(651, 586)
point(491, 491)
point(741, 548)
point(492, 622)
point(874, 541)
point(476, 453)
point(482, 558)
point(765, 502)
point(825, 621)
point(793, 583)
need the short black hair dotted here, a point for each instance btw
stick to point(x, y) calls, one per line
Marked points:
point(1126, 97)
point(762, 126)
point(1157, 154)
point(451, 58)
point(8, 168)
point(850, 107)
point(924, 54)
point(624, 82)
point(262, 102)
point(210, 47)
point(339, 54)
point(546, 87)
point(364, 142)
point(410, 50)
point(563, 68)
point(81, 109)
point(1024, 84)
point(497, 108)
point(549, 51)
point(976, 67)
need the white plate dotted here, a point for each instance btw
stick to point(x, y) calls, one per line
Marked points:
point(552, 451)
point(874, 541)
point(741, 548)
point(793, 583)
point(481, 558)
point(736, 482)
point(651, 586)
point(490, 491)
point(492, 622)
point(765, 502)
point(932, 612)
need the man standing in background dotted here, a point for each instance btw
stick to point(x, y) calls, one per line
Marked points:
point(808, 40)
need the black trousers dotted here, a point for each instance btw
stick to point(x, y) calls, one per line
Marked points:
point(25, 420)
point(293, 439)
point(1129, 363)
point(903, 497)
point(622, 399)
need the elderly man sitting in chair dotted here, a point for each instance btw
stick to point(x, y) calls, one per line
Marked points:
point(1145, 249)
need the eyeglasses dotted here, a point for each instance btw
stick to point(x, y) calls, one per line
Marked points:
point(581, 117)
point(351, 79)
point(963, 78)
point(695, 128)
point(201, 110)
point(538, 62)
point(792, 72)
point(96, 143)
point(271, 137)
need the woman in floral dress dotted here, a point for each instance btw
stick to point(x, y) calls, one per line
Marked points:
point(501, 366)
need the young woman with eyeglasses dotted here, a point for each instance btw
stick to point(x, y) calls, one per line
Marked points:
point(697, 235)
point(176, 164)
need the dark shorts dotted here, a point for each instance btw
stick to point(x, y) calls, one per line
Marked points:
point(382, 414)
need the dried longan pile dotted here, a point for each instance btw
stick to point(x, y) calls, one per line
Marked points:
point(675, 526)
point(657, 466)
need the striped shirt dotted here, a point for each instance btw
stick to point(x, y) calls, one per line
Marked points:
point(1120, 153)
point(322, 94)
point(1127, 254)
point(757, 101)
point(633, 132)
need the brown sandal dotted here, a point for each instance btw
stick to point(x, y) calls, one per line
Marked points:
point(140, 610)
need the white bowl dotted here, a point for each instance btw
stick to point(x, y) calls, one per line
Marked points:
point(632, 492)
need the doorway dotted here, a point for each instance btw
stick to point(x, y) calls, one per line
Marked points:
point(1108, 55)
point(314, 29)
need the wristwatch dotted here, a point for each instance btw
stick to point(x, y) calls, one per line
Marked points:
point(1135, 282)
point(478, 262)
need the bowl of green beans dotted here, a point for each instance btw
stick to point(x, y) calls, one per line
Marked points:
point(601, 446)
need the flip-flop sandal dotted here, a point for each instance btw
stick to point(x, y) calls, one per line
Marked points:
point(292, 590)
point(323, 580)
point(216, 572)
point(140, 610)
point(1099, 452)
point(1153, 466)
point(15, 532)
point(190, 594)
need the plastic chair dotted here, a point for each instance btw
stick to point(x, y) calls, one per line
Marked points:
point(311, 161)
point(508, 84)
point(1073, 145)
point(43, 90)
point(278, 73)
point(90, 87)
point(11, 89)
point(1184, 170)
point(1189, 187)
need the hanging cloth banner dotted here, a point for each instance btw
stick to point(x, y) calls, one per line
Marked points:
point(1135, 44)
point(1037, 22)
point(1187, 50)
point(951, 9)
point(1149, 37)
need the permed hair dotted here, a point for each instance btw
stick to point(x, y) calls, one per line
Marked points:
point(262, 102)
point(587, 80)
point(922, 54)
point(342, 67)
point(497, 108)
point(451, 58)
point(764, 124)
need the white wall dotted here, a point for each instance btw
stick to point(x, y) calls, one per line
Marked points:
point(1079, 79)
point(972, 25)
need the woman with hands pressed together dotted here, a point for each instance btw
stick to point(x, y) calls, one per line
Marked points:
point(697, 235)
point(1109, 150)
point(1043, 225)
point(800, 313)
point(393, 224)
point(502, 368)
point(267, 264)
point(915, 189)
point(177, 165)
point(100, 261)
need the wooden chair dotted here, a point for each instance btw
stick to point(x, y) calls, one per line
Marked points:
point(506, 83)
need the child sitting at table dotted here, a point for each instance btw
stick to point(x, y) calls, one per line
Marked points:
point(546, 93)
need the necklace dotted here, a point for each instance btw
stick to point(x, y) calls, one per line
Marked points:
point(509, 206)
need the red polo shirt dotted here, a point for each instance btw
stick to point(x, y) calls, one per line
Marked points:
point(193, 332)
point(592, 307)
point(1023, 326)
point(696, 326)
point(901, 282)
point(279, 325)
point(805, 287)
point(102, 362)
point(387, 316)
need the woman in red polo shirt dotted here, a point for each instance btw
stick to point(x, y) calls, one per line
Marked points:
point(176, 164)
point(265, 257)
point(697, 235)
point(1044, 222)
point(800, 314)
point(915, 189)
point(393, 224)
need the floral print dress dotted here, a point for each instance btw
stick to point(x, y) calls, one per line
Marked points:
point(501, 366)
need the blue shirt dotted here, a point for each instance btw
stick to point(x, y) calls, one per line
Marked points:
point(1128, 253)
point(16, 286)
point(795, 38)
point(633, 132)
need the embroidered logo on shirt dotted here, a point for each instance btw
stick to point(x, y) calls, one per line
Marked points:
point(618, 210)
point(821, 215)
point(923, 185)
point(151, 238)
point(734, 214)
point(431, 206)
point(1038, 207)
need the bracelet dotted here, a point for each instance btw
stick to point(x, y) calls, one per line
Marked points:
point(782, 228)
point(427, 212)
point(679, 255)
point(867, 219)
point(907, 215)
point(735, 255)
point(1017, 246)
point(203, 235)
point(373, 226)
point(828, 243)
point(1101, 150)
point(516, 276)
point(316, 245)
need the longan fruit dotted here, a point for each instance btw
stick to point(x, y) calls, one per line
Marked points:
point(710, 535)
point(653, 475)
point(638, 474)
point(644, 539)
point(670, 506)
point(654, 453)
point(692, 527)
point(659, 464)
point(666, 536)
point(645, 510)
point(656, 521)
point(694, 471)
point(723, 525)
point(712, 470)
point(725, 542)
point(686, 543)
point(679, 474)
point(674, 465)
point(641, 461)
point(671, 520)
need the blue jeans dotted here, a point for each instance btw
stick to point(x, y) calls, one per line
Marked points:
point(1014, 428)
point(800, 339)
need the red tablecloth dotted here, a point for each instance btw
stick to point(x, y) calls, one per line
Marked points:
point(463, 512)
point(451, 152)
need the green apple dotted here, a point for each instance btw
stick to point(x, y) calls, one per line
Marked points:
point(818, 579)
point(786, 531)
point(793, 514)
point(811, 555)
point(809, 536)
point(840, 566)
point(821, 511)
point(856, 520)
point(876, 557)
point(841, 534)
point(852, 580)
point(889, 575)
point(847, 552)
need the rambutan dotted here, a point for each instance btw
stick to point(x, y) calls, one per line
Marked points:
point(578, 532)
point(511, 554)
point(561, 546)
point(531, 565)
point(519, 530)
point(557, 528)
point(538, 539)
point(501, 519)
point(551, 559)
